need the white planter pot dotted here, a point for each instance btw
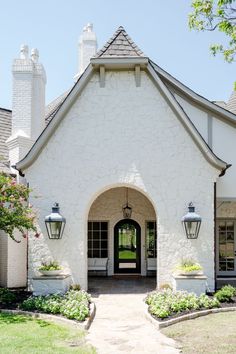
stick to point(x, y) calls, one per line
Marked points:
point(193, 272)
point(50, 272)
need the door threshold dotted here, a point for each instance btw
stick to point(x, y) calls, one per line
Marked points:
point(127, 275)
point(225, 277)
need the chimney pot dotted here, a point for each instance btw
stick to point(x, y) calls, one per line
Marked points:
point(24, 51)
point(35, 55)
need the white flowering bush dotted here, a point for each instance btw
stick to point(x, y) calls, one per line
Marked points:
point(76, 305)
point(73, 305)
point(163, 304)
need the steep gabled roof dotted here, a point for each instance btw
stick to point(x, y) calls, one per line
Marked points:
point(53, 107)
point(120, 45)
point(121, 50)
point(231, 105)
point(175, 84)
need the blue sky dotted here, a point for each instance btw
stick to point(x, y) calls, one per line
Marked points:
point(158, 27)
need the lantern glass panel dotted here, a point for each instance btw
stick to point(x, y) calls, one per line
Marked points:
point(127, 211)
point(192, 228)
point(55, 228)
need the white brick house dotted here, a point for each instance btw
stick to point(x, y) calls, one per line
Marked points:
point(127, 130)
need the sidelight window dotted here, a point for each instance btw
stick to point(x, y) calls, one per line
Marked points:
point(151, 239)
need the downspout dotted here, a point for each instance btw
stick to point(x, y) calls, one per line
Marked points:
point(224, 170)
point(27, 253)
point(215, 238)
point(215, 235)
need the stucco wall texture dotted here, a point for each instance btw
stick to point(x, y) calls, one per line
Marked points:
point(117, 136)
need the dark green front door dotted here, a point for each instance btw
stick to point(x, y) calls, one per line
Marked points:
point(127, 247)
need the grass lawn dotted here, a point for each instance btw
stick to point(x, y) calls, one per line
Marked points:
point(23, 335)
point(208, 334)
point(127, 254)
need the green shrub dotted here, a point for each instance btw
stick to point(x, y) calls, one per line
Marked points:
point(7, 297)
point(165, 303)
point(207, 302)
point(75, 287)
point(52, 265)
point(73, 305)
point(52, 304)
point(225, 294)
point(76, 305)
point(187, 265)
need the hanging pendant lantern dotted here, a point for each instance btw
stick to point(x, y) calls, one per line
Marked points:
point(191, 222)
point(55, 223)
point(127, 210)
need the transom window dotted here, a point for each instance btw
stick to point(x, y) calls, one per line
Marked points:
point(151, 239)
point(97, 239)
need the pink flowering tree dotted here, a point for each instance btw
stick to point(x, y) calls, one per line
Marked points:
point(15, 213)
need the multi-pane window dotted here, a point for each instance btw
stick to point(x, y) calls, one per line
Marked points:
point(97, 239)
point(226, 245)
point(151, 239)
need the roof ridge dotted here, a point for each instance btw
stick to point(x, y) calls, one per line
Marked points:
point(109, 43)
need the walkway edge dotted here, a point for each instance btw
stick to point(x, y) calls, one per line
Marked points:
point(190, 316)
point(57, 319)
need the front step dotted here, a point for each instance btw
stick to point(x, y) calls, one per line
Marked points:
point(126, 276)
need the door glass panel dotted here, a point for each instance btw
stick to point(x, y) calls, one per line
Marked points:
point(230, 226)
point(222, 226)
point(127, 247)
point(127, 242)
point(127, 265)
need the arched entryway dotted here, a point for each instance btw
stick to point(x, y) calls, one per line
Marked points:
point(117, 244)
point(127, 247)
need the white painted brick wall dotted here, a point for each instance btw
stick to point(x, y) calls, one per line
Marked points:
point(28, 121)
point(17, 262)
point(13, 261)
point(28, 100)
point(3, 258)
point(117, 136)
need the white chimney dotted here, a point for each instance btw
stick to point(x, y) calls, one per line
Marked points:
point(28, 103)
point(87, 47)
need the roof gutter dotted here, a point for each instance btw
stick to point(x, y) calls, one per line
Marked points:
point(224, 170)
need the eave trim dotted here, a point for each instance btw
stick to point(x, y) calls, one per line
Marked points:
point(194, 97)
point(53, 124)
point(187, 123)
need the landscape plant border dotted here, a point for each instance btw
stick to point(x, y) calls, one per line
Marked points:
point(56, 318)
point(190, 316)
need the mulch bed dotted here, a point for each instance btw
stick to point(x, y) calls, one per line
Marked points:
point(21, 295)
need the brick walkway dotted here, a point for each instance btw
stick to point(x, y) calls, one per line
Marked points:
point(120, 325)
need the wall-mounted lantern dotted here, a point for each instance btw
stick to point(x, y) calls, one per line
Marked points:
point(191, 222)
point(127, 210)
point(55, 223)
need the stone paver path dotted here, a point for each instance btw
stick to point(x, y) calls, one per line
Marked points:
point(120, 325)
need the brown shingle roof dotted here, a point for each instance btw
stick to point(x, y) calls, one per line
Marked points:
point(231, 105)
point(120, 45)
point(53, 107)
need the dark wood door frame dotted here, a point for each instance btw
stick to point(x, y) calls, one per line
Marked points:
point(138, 247)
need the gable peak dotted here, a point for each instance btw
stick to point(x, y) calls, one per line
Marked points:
point(120, 45)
